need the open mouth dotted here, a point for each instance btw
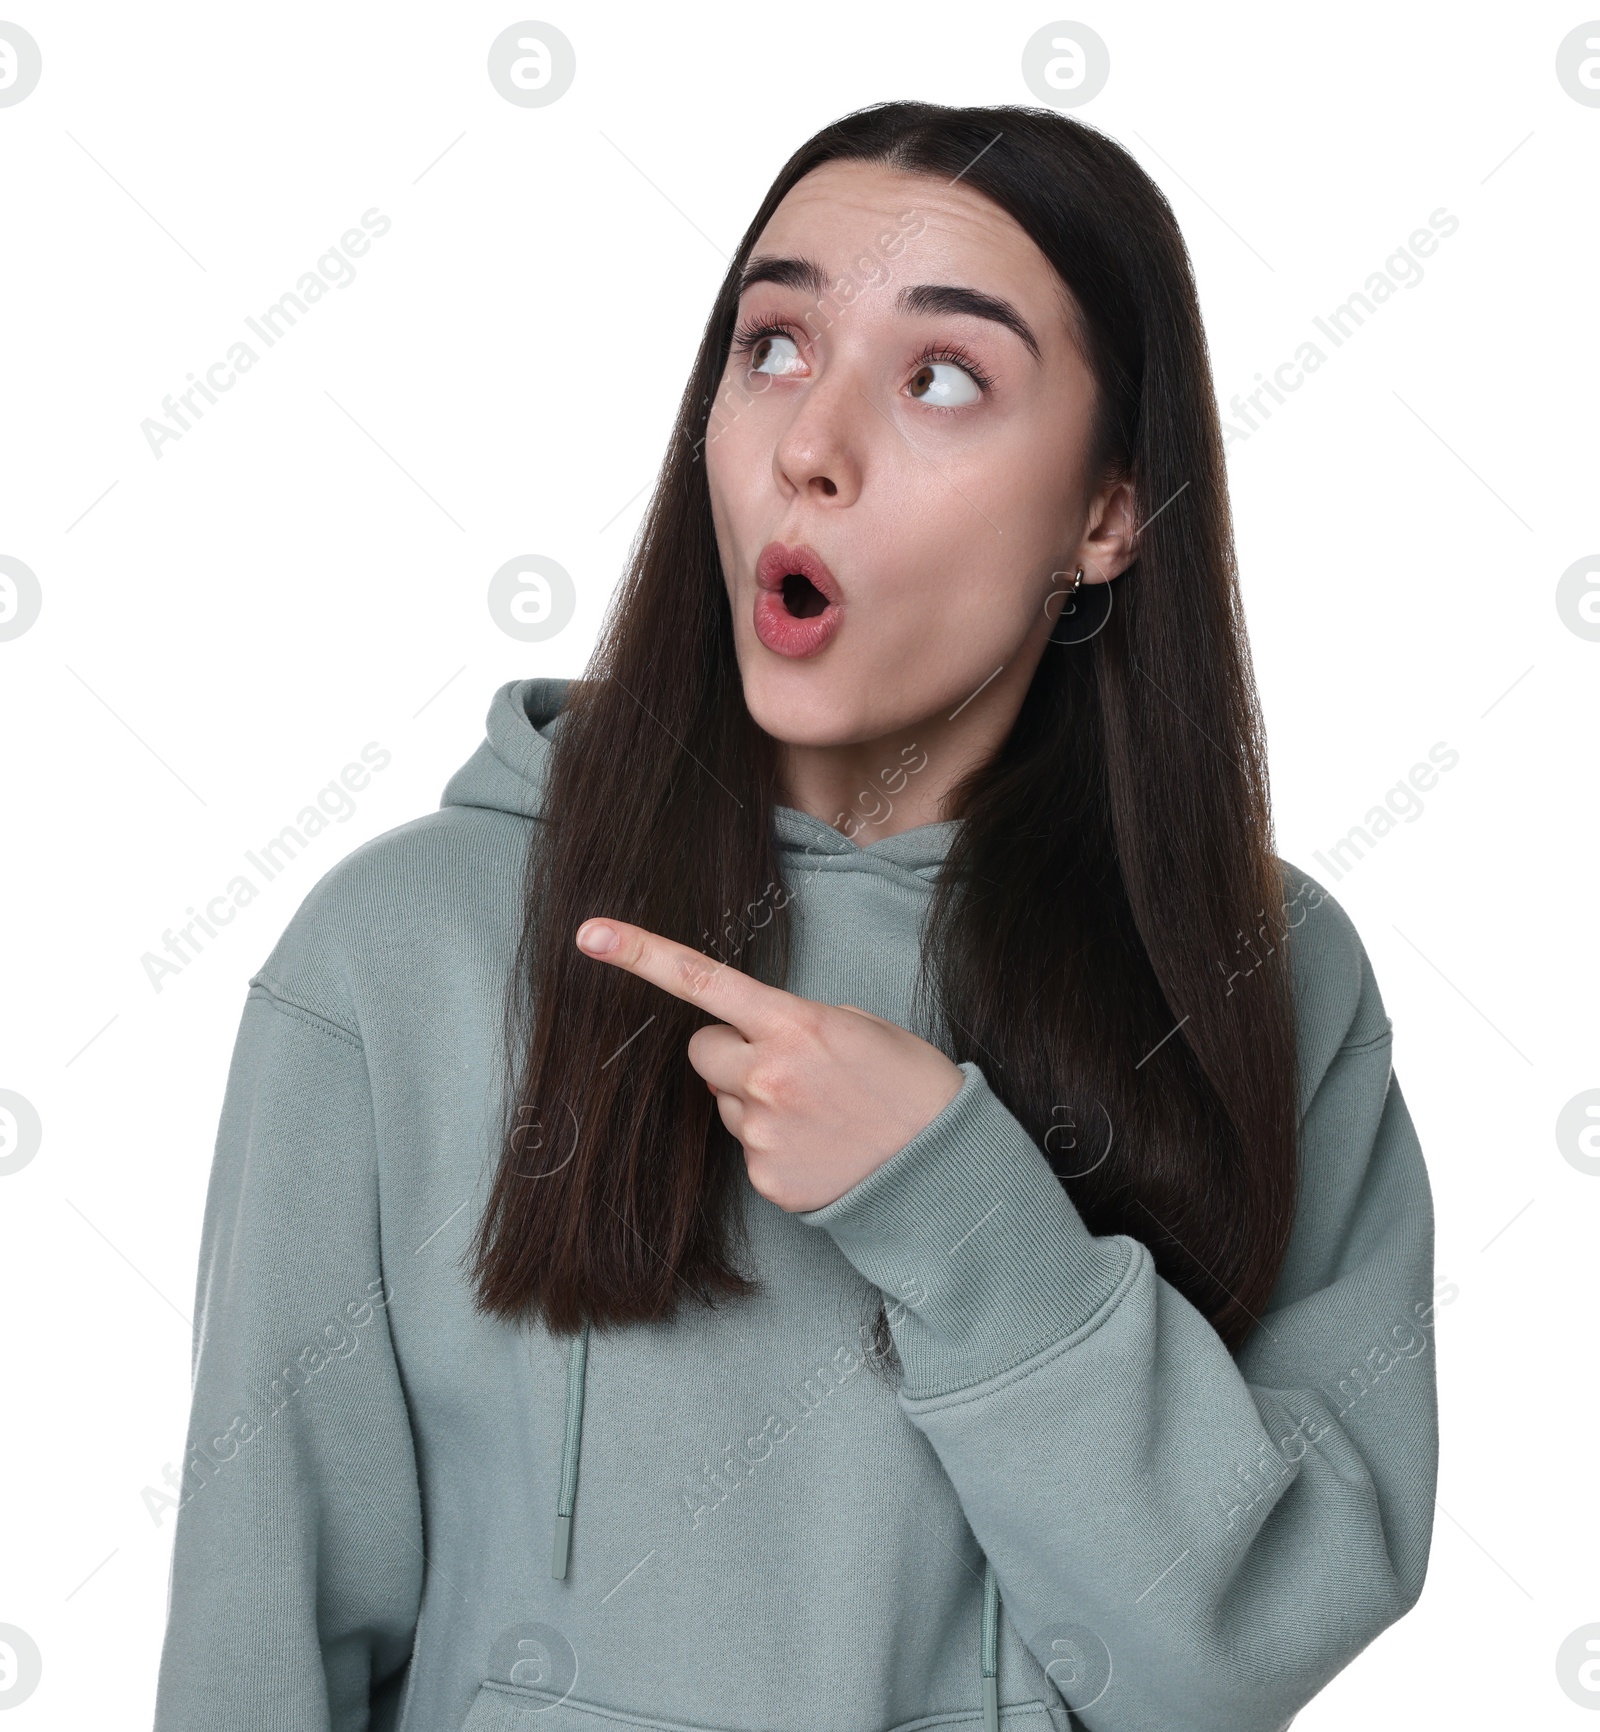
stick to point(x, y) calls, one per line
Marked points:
point(801, 596)
point(799, 606)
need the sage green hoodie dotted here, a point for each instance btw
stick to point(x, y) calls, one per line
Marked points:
point(1076, 1508)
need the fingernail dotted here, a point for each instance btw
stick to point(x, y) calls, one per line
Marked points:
point(596, 937)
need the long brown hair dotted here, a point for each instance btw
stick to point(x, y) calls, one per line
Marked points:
point(1089, 918)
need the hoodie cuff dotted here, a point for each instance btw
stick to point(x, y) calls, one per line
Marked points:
point(975, 1242)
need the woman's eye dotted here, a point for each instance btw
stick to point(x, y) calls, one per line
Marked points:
point(777, 348)
point(943, 383)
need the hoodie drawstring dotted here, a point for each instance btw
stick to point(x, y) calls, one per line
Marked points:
point(990, 1667)
point(572, 1447)
point(577, 1366)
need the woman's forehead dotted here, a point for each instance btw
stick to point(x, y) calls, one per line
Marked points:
point(931, 230)
point(838, 199)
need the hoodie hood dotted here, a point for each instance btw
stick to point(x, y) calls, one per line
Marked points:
point(507, 774)
point(507, 771)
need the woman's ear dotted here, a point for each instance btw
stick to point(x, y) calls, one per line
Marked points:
point(1110, 544)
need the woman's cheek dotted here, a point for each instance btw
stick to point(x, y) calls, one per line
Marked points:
point(984, 618)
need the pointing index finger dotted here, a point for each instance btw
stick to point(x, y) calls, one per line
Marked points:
point(736, 998)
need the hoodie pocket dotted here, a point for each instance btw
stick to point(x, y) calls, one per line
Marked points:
point(514, 1708)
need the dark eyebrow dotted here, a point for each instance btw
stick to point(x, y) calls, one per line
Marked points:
point(941, 298)
point(804, 274)
point(808, 275)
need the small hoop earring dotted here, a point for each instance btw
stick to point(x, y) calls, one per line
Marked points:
point(1081, 615)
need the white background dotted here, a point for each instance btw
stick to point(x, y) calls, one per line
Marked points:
point(224, 627)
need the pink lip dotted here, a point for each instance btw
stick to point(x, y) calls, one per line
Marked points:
point(781, 631)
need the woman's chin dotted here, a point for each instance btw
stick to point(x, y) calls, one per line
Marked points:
point(804, 703)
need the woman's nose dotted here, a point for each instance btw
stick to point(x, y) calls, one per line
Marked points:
point(819, 452)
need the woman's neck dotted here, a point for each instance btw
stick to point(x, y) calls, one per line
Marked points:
point(872, 789)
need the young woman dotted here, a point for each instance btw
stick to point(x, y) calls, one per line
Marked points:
point(838, 1182)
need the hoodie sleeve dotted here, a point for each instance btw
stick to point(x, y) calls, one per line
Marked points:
point(297, 1553)
point(1220, 1535)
